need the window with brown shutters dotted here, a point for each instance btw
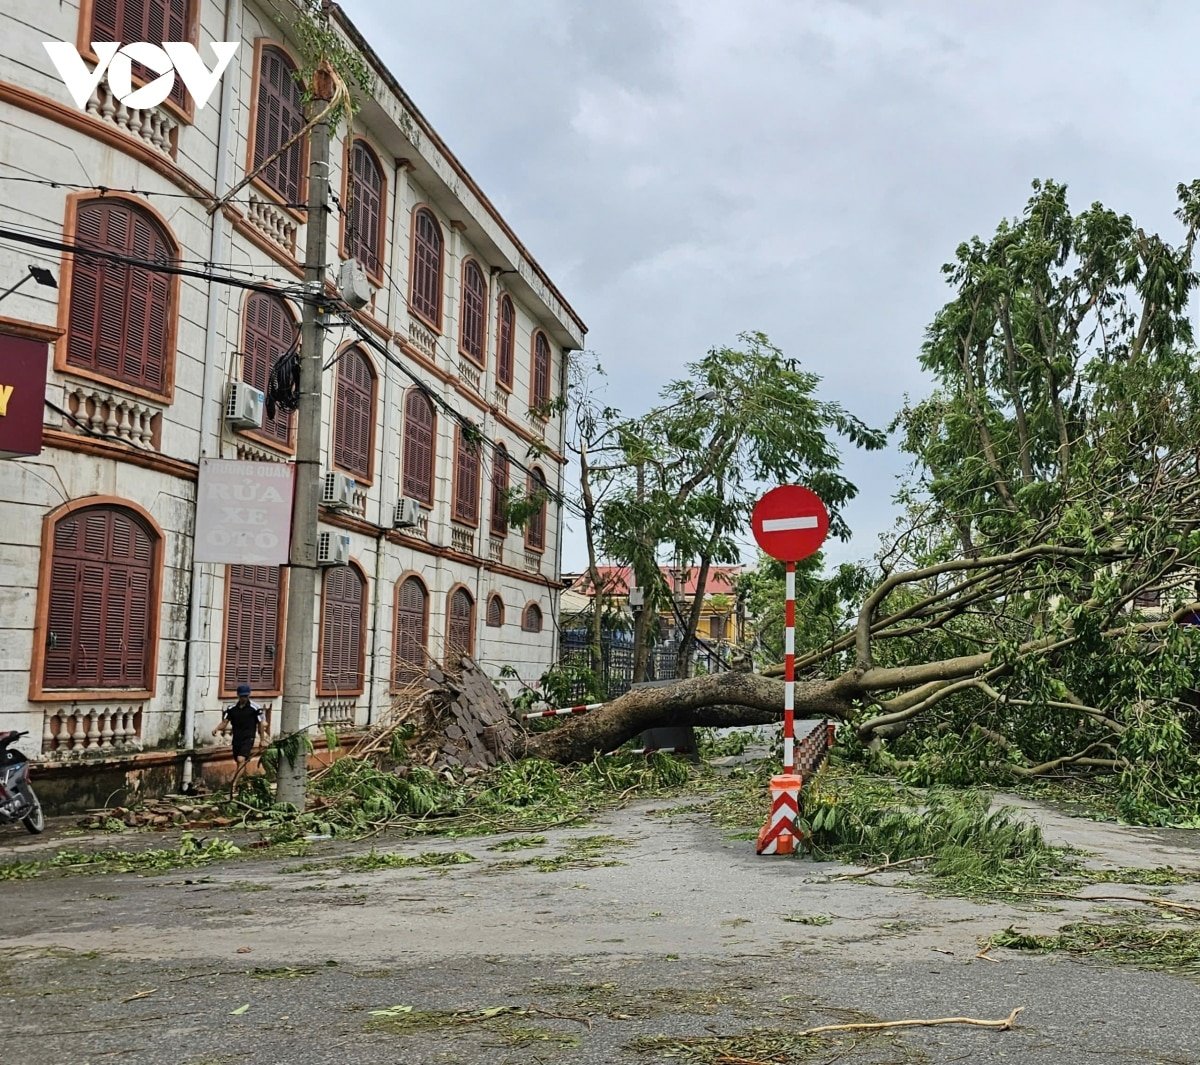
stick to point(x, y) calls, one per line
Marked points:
point(252, 652)
point(531, 618)
point(466, 480)
point(412, 632)
point(101, 610)
point(354, 414)
point(499, 515)
point(495, 612)
point(127, 21)
point(418, 447)
point(343, 609)
point(425, 296)
point(506, 338)
point(268, 333)
point(460, 627)
point(278, 117)
point(540, 390)
point(535, 527)
point(474, 311)
point(120, 316)
point(364, 208)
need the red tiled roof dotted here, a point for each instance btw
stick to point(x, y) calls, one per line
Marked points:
point(615, 580)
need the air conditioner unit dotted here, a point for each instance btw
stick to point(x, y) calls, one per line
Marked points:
point(333, 549)
point(408, 511)
point(244, 406)
point(338, 491)
point(353, 286)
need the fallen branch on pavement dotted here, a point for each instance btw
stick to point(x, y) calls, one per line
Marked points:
point(886, 866)
point(1002, 1025)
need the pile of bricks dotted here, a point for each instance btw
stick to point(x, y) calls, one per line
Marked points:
point(474, 726)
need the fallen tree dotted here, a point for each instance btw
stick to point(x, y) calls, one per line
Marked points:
point(1029, 615)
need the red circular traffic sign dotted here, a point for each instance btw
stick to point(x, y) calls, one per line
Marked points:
point(790, 523)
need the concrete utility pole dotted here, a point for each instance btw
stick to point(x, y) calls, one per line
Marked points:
point(302, 581)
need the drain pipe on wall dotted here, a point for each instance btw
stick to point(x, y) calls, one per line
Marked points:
point(556, 595)
point(197, 662)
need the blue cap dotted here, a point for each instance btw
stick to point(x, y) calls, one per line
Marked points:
point(243, 689)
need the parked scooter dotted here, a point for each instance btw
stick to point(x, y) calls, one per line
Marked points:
point(17, 800)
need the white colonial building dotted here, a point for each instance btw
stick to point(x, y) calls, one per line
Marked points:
point(112, 636)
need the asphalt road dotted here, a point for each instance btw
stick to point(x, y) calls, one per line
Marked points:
point(286, 960)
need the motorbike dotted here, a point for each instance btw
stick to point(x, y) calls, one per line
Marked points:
point(17, 800)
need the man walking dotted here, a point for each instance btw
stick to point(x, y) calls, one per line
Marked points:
point(245, 719)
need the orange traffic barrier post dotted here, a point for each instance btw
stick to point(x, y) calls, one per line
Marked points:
point(780, 834)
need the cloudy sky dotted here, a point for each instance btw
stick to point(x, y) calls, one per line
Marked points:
point(689, 169)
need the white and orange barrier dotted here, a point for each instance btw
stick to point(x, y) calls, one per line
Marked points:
point(781, 834)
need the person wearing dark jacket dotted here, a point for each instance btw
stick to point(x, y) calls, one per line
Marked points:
point(246, 720)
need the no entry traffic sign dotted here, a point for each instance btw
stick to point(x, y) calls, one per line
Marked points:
point(790, 523)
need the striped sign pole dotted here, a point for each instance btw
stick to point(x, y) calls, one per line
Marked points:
point(789, 671)
point(582, 708)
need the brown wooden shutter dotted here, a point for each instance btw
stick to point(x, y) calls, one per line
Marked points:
point(495, 612)
point(355, 394)
point(269, 333)
point(279, 117)
point(460, 627)
point(106, 18)
point(101, 609)
point(531, 619)
point(342, 604)
point(466, 480)
point(541, 371)
point(535, 528)
point(506, 342)
point(252, 628)
point(365, 218)
point(499, 516)
point(412, 632)
point(426, 294)
point(474, 304)
point(119, 315)
point(418, 447)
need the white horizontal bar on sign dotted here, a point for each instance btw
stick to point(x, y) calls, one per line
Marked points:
point(805, 521)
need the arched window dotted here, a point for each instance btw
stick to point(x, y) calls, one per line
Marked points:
point(365, 213)
point(412, 632)
point(418, 447)
point(531, 618)
point(474, 312)
point(252, 652)
point(460, 627)
point(99, 625)
point(495, 612)
point(354, 414)
point(539, 392)
point(505, 342)
point(535, 527)
point(499, 515)
point(466, 480)
point(425, 297)
point(120, 316)
point(278, 117)
point(343, 611)
point(268, 333)
point(144, 20)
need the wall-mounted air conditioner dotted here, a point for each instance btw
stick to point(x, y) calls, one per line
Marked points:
point(333, 549)
point(338, 490)
point(407, 513)
point(244, 406)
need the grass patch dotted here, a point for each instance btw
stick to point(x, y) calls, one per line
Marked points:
point(389, 860)
point(583, 852)
point(761, 1046)
point(620, 1002)
point(809, 918)
point(1143, 943)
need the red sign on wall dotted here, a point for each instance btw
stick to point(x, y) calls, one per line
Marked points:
point(22, 395)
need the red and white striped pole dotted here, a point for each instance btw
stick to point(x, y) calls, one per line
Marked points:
point(582, 708)
point(789, 671)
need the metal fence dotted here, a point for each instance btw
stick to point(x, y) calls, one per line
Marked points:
point(616, 652)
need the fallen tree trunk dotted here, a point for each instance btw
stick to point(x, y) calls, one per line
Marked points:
point(719, 700)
